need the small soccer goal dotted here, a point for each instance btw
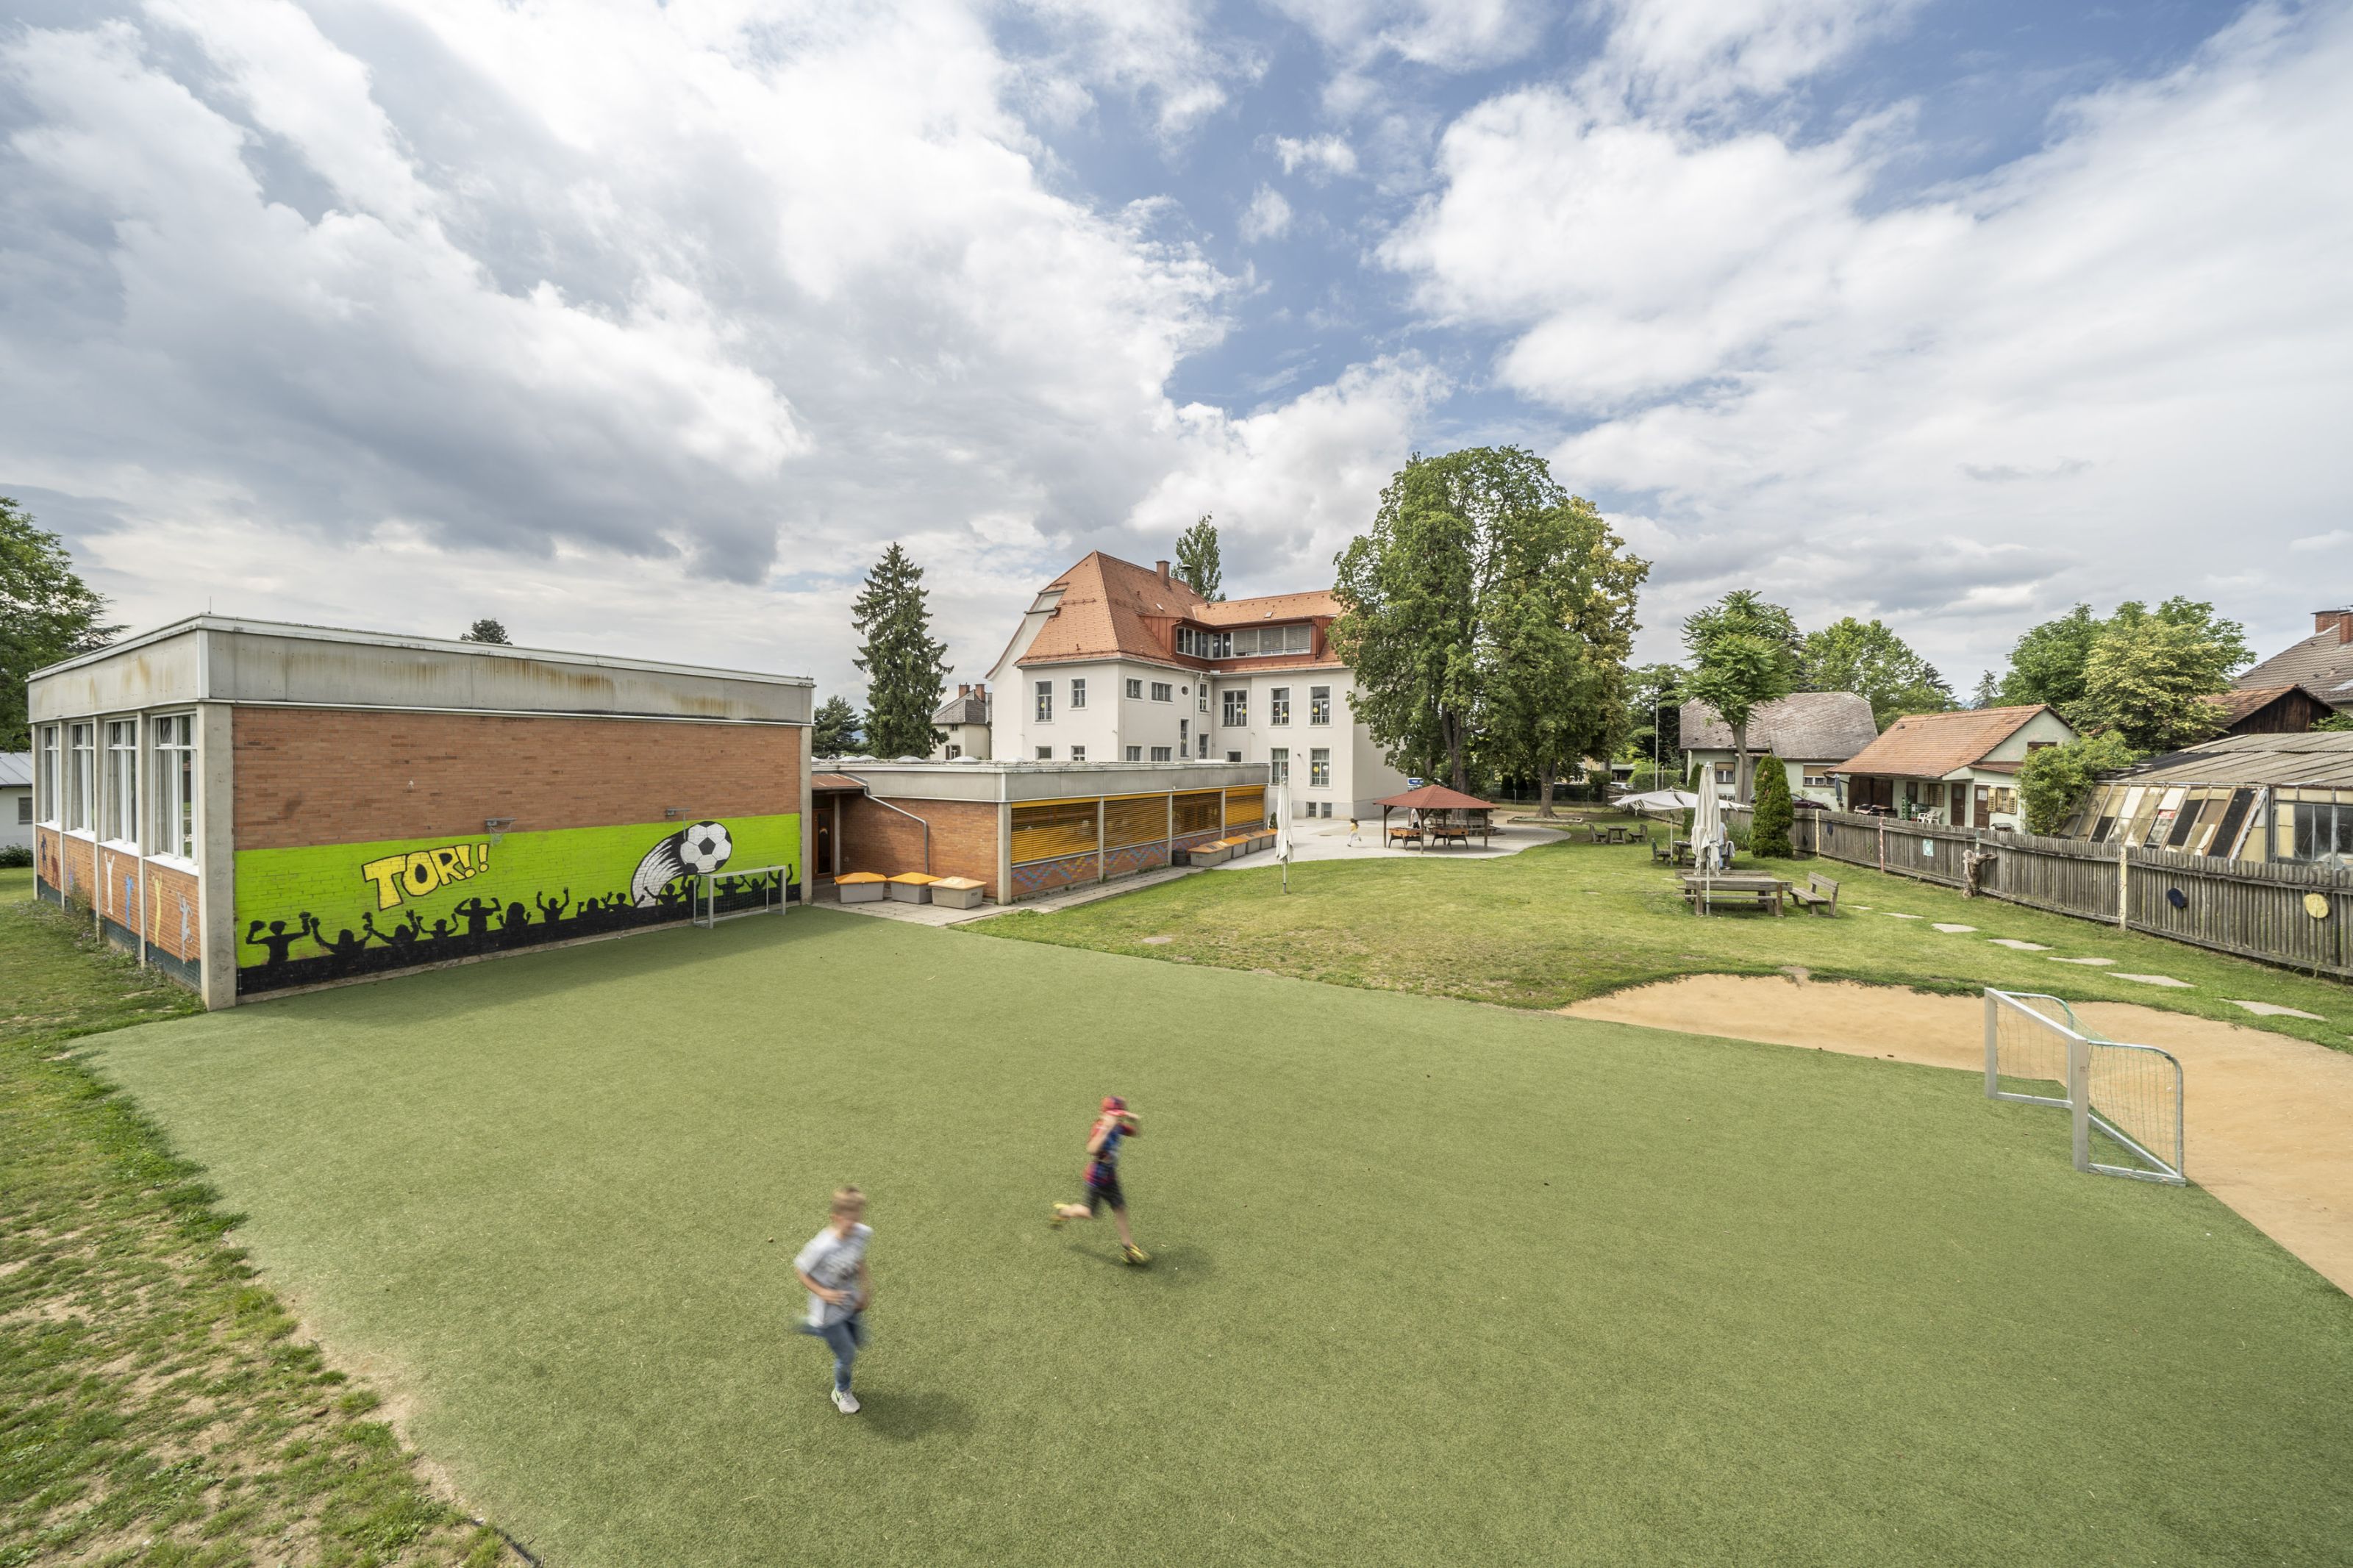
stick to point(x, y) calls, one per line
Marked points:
point(735, 887)
point(2124, 1099)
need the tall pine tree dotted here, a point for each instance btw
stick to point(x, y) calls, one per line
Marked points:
point(905, 669)
point(835, 731)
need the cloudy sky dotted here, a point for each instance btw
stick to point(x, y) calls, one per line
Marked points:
point(643, 327)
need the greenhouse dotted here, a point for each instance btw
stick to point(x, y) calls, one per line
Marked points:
point(2259, 798)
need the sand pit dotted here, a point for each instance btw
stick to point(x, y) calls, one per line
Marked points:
point(2268, 1120)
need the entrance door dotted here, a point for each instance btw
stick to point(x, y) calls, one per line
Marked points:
point(824, 814)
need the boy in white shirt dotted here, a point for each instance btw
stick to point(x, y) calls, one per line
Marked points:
point(833, 1266)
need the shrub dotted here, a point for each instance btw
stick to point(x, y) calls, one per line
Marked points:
point(1769, 829)
point(13, 856)
point(2053, 781)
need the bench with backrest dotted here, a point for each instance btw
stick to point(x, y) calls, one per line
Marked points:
point(1704, 897)
point(1819, 894)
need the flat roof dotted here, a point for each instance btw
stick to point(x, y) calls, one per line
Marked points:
point(251, 627)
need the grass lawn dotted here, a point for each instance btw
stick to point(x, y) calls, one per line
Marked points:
point(154, 1406)
point(1433, 1284)
point(1560, 922)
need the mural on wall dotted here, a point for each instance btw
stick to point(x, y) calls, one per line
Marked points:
point(397, 904)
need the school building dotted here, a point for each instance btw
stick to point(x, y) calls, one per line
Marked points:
point(254, 806)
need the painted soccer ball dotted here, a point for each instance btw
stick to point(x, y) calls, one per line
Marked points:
point(704, 848)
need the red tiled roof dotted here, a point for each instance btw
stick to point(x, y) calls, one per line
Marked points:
point(1437, 797)
point(1268, 608)
point(1930, 745)
point(1115, 608)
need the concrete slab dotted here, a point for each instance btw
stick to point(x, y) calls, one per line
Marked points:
point(2274, 1010)
point(2012, 941)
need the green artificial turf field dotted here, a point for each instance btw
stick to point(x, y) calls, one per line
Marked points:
point(1434, 1282)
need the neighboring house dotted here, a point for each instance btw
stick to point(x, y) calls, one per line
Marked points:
point(2276, 797)
point(2270, 710)
point(16, 799)
point(1810, 731)
point(1958, 768)
point(963, 724)
point(2322, 662)
point(1115, 662)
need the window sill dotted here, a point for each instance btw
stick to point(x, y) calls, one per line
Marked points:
point(173, 863)
point(120, 847)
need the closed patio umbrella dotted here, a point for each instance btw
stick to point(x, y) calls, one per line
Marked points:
point(1710, 845)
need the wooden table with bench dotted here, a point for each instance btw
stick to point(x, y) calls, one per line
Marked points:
point(1735, 887)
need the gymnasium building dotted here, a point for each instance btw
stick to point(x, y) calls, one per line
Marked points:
point(254, 806)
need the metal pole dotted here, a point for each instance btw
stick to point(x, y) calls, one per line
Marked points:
point(1992, 1044)
point(2079, 1097)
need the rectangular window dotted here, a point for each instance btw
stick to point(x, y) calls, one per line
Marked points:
point(49, 775)
point(1135, 688)
point(1237, 706)
point(954, 752)
point(1200, 813)
point(1136, 753)
point(1078, 754)
point(1160, 691)
point(1044, 832)
point(1278, 705)
point(1160, 754)
point(2324, 831)
point(1138, 819)
point(1078, 695)
point(1724, 773)
point(1045, 702)
point(176, 786)
point(1204, 747)
point(1045, 754)
point(24, 810)
point(81, 775)
point(1817, 780)
point(1319, 768)
point(1319, 705)
point(1279, 765)
point(122, 823)
point(1233, 756)
point(1202, 699)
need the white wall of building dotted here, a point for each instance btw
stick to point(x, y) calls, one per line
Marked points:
point(17, 814)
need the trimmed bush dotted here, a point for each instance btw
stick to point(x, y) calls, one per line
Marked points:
point(1769, 829)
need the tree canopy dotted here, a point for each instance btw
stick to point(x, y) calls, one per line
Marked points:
point(1197, 562)
point(46, 614)
point(1487, 614)
point(1745, 654)
point(2053, 780)
point(484, 630)
point(905, 667)
point(2149, 674)
point(835, 731)
point(2051, 663)
point(1868, 659)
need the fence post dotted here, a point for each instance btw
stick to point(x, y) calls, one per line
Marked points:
point(2124, 885)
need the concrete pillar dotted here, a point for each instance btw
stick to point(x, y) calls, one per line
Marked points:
point(216, 851)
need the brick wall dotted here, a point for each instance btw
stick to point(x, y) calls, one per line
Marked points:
point(311, 775)
point(62, 861)
point(167, 912)
point(964, 838)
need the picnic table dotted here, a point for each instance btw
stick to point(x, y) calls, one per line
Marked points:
point(1735, 887)
point(1450, 833)
point(1405, 835)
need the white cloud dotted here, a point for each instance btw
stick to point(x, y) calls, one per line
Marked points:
point(1322, 157)
point(1268, 217)
point(1688, 54)
point(2087, 375)
point(1160, 49)
point(2334, 539)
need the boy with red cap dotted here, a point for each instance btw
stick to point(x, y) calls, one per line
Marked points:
point(1113, 1127)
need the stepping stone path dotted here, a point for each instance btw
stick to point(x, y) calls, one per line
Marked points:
point(2022, 946)
point(1158, 940)
point(2274, 1010)
point(1894, 916)
point(2156, 980)
point(2082, 961)
point(1942, 926)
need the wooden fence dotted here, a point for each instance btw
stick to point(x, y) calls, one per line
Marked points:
point(2255, 911)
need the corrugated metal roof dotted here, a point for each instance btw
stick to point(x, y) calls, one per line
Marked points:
point(1803, 727)
point(15, 767)
point(2314, 762)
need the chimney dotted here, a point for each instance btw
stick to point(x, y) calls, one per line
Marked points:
point(963, 689)
point(1161, 567)
point(2337, 621)
point(980, 688)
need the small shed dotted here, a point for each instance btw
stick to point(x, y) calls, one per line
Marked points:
point(2271, 709)
point(1438, 812)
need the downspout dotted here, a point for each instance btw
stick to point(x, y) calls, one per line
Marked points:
point(911, 817)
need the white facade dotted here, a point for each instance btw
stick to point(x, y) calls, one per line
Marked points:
point(1297, 720)
point(1814, 781)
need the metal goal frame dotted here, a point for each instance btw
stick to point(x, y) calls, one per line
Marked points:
point(2130, 1095)
point(706, 899)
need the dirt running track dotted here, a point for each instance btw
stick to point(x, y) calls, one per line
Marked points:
point(2268, 1120)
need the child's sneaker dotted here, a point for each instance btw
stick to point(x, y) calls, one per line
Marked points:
point(1135, 1255)
point(845, 1402)
point(1055, 1218)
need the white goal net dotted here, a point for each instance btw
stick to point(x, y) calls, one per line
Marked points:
point(2125, 1100)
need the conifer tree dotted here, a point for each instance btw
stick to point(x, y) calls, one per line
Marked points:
point(835, 732)
point(905, 668)
point(1769, 829)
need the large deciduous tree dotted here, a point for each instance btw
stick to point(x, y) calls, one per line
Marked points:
point(2053, 780)
point(47, 612)
point(835, 733)
point(1744, 655)
point(1488, 614)
point(1868, 659)
point(2150, 673)
point(1197, 562)
point(905, 667)
point(2051, 663)
point(2046, 664)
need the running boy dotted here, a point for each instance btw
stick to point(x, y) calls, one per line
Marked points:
point(833, 1266)
point(1113, 1127)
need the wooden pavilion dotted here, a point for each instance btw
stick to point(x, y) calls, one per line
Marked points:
point(1437, 814)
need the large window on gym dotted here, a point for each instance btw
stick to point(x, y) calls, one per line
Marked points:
point(81, 775)
point(122, 823)
point(49, 774)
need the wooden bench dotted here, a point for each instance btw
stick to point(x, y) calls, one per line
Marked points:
point(1819, 894)
point(1660, 853)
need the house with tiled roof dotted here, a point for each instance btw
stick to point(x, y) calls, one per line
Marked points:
point(2322, 662)
point(1811, 733)
point(963, 722)
point(1115, 662)
point(1958, 768)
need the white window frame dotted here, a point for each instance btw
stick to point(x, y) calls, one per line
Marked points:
point(1043, 713)
point(119, 823)
point(1236, 707)
point(172, 744)
point(1278, 763)
point(1045, 754)
point(1078, 754)
point(1204, 747)
point(1077, 693)
point(1319, 767)
point(1278, 706)
point(25, 809)
point(81, 776)
point(51, 808)
point(1161, 692)
point(1233, 756)
point(1135, 690)
point(1160, 754)
point(1136, 753)
point(1319, 705)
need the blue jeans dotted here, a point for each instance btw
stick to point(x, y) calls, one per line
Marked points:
point(843, 1338)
